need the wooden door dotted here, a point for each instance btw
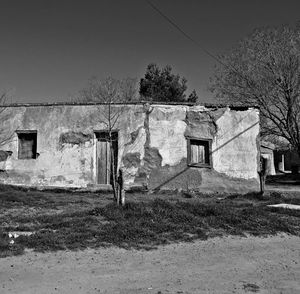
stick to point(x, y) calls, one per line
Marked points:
point(103, 162)
point(104, 156)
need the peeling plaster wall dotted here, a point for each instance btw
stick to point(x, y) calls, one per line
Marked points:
point(152, 146)
point(167, 126)
point(234, 148)
point(65, 143)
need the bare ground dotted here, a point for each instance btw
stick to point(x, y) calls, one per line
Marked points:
point(218, 265)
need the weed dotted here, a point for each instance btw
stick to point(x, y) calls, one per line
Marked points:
point(71, 221)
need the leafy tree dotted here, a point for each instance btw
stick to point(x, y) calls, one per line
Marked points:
point(264, 69)
point(162, 85)
point(193, 97)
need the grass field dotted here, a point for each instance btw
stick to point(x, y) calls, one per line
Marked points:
point(75, 221)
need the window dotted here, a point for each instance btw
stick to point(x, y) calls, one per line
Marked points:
point(199, 152)
point(27, 144)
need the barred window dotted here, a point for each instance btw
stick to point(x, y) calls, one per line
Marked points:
point(27, 144)
point(199, 152)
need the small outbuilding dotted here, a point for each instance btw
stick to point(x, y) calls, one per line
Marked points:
point(267, 152)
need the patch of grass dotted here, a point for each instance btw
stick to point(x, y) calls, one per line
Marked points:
point(7, 249)
point(248, 287)
point(14, 197)
point(140, 224)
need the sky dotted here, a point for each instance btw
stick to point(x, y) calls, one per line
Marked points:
point(49, 49)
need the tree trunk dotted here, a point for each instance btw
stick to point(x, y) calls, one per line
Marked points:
point(121, 192)
point(262, 174)
point(113, 173)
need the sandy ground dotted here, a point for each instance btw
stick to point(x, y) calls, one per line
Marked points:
point(220, 265)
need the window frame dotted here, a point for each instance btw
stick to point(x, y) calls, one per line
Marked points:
point(207, 148)
point(22, 132)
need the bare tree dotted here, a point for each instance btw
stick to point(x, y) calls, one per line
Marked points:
point(113, 94)
point(264, 69)
point(5, 134)
point(110, 89)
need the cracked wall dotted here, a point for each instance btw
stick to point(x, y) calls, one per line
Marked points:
point(66, 143)
point(234, 148)
point(152, 146)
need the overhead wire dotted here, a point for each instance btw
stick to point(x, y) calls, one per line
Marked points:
point(228, 66)
point(169, 20)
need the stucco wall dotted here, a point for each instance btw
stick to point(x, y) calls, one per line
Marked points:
point(234, 148)
point(152, 146)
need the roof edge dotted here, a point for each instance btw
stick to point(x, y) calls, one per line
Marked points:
point(207, 105)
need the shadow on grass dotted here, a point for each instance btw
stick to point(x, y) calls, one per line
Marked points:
point(145, 225)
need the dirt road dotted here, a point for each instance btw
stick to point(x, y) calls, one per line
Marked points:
point(227, 265)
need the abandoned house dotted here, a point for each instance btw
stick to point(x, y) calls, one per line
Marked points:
point(157, 146)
